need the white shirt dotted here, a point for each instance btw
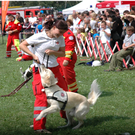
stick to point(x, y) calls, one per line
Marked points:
point(32, 20)
point(75, 24)
point(93, 24)
point(104, 36)
point(41, 43)
point(129, 40)
point(81, 24)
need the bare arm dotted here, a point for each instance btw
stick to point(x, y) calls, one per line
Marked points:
point(23, 46)
point(129, 46)
point(60, 53)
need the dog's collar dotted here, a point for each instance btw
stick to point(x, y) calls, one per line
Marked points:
point(46, 87)
point(50, 86)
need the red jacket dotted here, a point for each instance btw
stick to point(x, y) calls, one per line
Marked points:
point(70, 43)
point(14, 25)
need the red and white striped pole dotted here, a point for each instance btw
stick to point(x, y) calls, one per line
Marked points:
point(92, 48)
point(104, 51)
point(98, 50)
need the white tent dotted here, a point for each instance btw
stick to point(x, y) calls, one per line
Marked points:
point(82, 6)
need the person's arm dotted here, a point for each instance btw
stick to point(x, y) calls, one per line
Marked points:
point(128, 46)
point(23, 46)
point(130, 15)
point(123, 46)
point(108, 34)
point(60, 53)
point(131, 45)
point(19, 27)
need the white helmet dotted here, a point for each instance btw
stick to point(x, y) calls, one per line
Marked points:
point(96, 63)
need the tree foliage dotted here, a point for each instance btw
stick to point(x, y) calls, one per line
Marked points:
point(59, 5)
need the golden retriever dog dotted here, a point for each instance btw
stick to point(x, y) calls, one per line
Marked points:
point(76, 105)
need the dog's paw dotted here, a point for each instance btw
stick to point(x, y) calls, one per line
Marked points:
point(38, 118)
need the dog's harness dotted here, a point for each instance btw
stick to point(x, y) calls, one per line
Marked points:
point(60, 96)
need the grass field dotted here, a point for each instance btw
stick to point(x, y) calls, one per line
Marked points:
point(113, 114)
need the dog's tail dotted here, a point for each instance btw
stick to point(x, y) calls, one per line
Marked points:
point(94, 92)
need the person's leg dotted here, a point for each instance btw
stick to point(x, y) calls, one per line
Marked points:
point(70, 75)
point(113, 62)
point(122, 54)
point(40, 101)
point(27, 57)
point(16, 43)
point(8, 46)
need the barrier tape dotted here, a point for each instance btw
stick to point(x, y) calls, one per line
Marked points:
point(94, 49)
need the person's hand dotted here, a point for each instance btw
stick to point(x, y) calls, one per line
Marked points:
point(125, 48)
point(35, 58)
point(49, 52)
point(10, 32)
point(65, 62)
point(103, 30)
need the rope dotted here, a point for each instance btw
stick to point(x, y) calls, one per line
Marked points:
point(17, 89)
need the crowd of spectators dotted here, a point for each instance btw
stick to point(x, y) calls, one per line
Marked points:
point(106, 26)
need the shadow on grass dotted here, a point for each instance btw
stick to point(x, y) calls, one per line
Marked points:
point(97, 120)
point(106, 93)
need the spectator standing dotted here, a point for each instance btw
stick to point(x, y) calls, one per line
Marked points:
point(70, 24)
point(70, 17)
point(43, 18)
point(60, 16)
point(81, 22)
point(35, 24)
point(105, 34)
point(32, 19)
point(133, 10)
point(21, 20)
point(27, 28)
point(75, 22)
point(87, 26)
point(90, 12)
point(39, 17)
point(131, 21)
point(93, 23)
point(86, 14)
point(116, 30)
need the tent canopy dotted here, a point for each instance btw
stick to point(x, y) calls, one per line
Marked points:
point(80, 7)
point(110, 4)
point(9, 12)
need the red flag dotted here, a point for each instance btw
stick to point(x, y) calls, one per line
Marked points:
point(4, 12)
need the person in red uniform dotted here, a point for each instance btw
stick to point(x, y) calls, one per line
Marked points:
point(67, 63)
point(13, 27)
point(51, 42)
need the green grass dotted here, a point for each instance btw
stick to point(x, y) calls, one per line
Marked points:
point(113, 114)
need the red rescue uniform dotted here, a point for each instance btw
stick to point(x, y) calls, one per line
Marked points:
point(41, 99)
point(70, 55)
point(13, 39)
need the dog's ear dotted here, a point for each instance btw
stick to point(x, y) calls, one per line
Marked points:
point(53, 80)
